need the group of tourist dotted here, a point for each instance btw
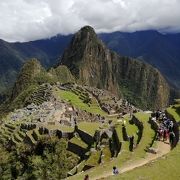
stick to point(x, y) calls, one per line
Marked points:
point(165, 127)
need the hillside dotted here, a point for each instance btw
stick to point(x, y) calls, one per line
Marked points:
point(14, 55)
point(93, 64)
point(69, 115)
point(29, 81)
point(56, 125)
point(160, 50)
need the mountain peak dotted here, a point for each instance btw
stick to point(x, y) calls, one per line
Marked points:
point(86, 33)
point(87, 29)
point(94, 65)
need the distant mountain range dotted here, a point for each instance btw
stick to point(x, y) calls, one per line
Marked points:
point(160, 50)
point(88, 62)
point(14, 55)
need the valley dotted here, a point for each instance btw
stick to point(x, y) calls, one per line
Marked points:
point(92, 111)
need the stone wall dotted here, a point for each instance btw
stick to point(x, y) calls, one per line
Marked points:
point(76, 149)
point(88, 139)
point(140, 126)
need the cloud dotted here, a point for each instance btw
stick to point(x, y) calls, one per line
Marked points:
point(25, 20)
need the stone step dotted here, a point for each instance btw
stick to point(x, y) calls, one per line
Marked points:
point(14, 140)
point(10, 126)
point(22, 134)
point(17, 137)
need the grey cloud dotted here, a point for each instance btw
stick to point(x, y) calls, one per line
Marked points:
point(24, 20)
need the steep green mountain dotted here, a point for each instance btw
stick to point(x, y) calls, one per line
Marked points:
point(29, 81)
point(14, 55)
point(93, 64)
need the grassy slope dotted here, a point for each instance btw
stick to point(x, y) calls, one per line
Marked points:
point(77, 102)
point(79, 142)
point(174, 111)
point(147, 136)
point(125, 155)
point(164, 168)
point(89, 127)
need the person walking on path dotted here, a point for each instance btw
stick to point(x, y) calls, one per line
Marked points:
point(115, 170)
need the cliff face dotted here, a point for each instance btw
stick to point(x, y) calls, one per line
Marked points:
point(93, 64)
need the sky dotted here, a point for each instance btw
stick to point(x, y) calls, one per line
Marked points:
point(25, 20)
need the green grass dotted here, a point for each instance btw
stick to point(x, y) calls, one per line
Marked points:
point(81, 166)
point(89, 127)
point(131, 129)
point(94, 158)
point(125, 156)
point(147, 137)
point(107, 154)
point(79, 142)
point(163, 168)
point(174, 111)
point(77, 102)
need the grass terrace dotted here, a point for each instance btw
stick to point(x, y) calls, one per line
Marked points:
point(89, 127)
point(174, 110)
point(94, 158)
point(125, 156)
point(77, 102)
point(79, 142)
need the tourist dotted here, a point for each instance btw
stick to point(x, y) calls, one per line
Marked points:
point(165, 135)
point(86, 177)
point(171, 138)
point(170, 127)
point(115, 170)
point(160, 133)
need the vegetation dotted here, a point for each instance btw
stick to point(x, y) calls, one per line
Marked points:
point(89, 127)
point(49, 159)
point(79, 142)
point(140, 83)
point(164, 168)
point(27, 153)
point(61, 74)
point(174, 110)
point(77, 102)
point(125, 156)
point(94, 159)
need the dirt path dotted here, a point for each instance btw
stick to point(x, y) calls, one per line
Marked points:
point(162, 148)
